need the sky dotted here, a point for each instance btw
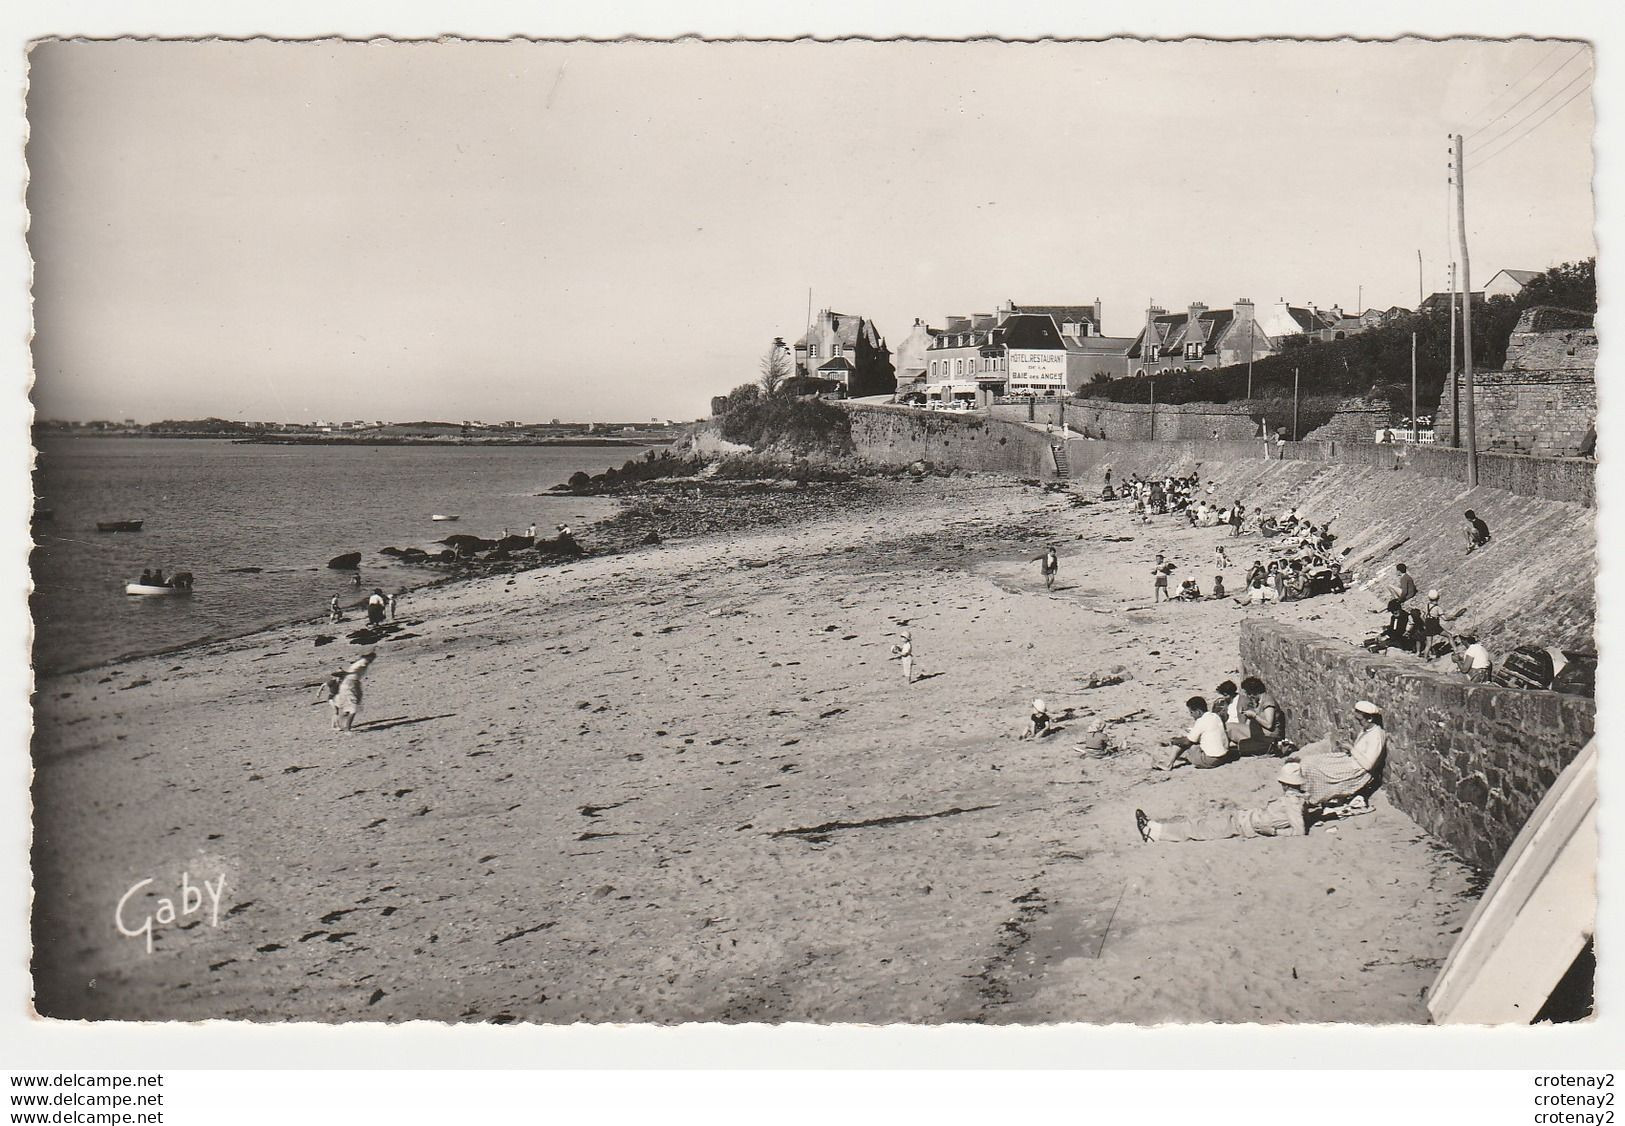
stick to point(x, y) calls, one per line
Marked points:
point(611, 232)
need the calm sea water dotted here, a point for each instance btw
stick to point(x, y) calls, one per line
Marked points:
point(211, 506)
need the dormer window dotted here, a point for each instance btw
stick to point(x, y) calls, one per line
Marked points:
point(1153, 352)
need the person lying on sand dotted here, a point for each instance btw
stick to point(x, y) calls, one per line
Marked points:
point(1281, 816)
point(1205, 745)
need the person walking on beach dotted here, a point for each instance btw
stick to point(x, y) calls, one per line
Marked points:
point(334, 614)
point(343, 691)
point(392, 599)
point(1049, 562)
point(532, 533)
point(904, 651)
point(376, 604)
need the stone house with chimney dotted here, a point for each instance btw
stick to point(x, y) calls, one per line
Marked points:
point(1202, 338)
point(910, 357)
point(847, 352)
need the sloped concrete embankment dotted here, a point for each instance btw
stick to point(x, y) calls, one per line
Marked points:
point(1533, 584)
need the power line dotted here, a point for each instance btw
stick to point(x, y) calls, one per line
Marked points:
point(1544, 59)
point(1526, 96)
point(1491, 156)
point(1551, 98)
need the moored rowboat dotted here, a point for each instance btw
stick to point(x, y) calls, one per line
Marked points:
point(444, 519)
point(119, 525)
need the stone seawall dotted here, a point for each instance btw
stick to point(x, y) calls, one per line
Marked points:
point(1467, 762)
point(889, 435)
point(1348, 420)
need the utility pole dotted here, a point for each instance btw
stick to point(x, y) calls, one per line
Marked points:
point(809, 370)
point(1466, 316)
point(1413, 391)
point(1294, 404)
point(1455, 384)
point(1359, 302)
point(1420, 296)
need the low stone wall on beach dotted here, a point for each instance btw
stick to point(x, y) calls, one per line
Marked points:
point(889, 435)
point(1467, 762)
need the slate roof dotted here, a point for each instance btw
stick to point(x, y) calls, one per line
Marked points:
point(1172, 329)
point(848, 328)
point(1061, 313)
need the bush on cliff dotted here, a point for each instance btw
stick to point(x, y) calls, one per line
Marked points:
point(787, 423)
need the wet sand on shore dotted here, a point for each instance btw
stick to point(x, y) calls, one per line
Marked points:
point(685, 784)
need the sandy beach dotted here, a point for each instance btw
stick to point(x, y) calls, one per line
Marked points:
point(685, 783)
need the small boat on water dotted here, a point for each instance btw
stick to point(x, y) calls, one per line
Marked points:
point(444, 519)
point(119, 525)
point(180, 583)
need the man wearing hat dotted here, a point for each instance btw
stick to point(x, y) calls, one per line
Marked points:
point(1281, 816)
point(1331, 773)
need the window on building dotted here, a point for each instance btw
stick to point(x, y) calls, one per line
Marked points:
point(1153, 353)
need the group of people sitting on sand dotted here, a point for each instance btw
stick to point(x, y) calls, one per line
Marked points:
point(1321, 779)
point(1154, 496)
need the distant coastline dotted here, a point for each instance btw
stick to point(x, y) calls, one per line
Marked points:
point(284, 439)
point(403, 440)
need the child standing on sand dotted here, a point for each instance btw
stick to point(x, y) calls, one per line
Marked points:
point(1159, 574)
point(904, 651)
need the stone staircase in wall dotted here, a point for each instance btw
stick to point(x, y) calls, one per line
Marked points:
point(1063, 469)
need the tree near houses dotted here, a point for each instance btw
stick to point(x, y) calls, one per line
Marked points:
point(777, 366)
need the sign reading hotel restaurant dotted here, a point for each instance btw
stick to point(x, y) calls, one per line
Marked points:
point(1041, 368)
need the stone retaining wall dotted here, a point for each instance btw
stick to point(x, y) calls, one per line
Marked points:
point(1467, 762)
point(889, 435)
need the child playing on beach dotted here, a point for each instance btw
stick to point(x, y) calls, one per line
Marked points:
point(1039, 724)
point(343, 690)
point(1220, 559)
point(904, 651)
point(1218, 587)
point(1281, 816)
point(334, 614)
point(1049, 563)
